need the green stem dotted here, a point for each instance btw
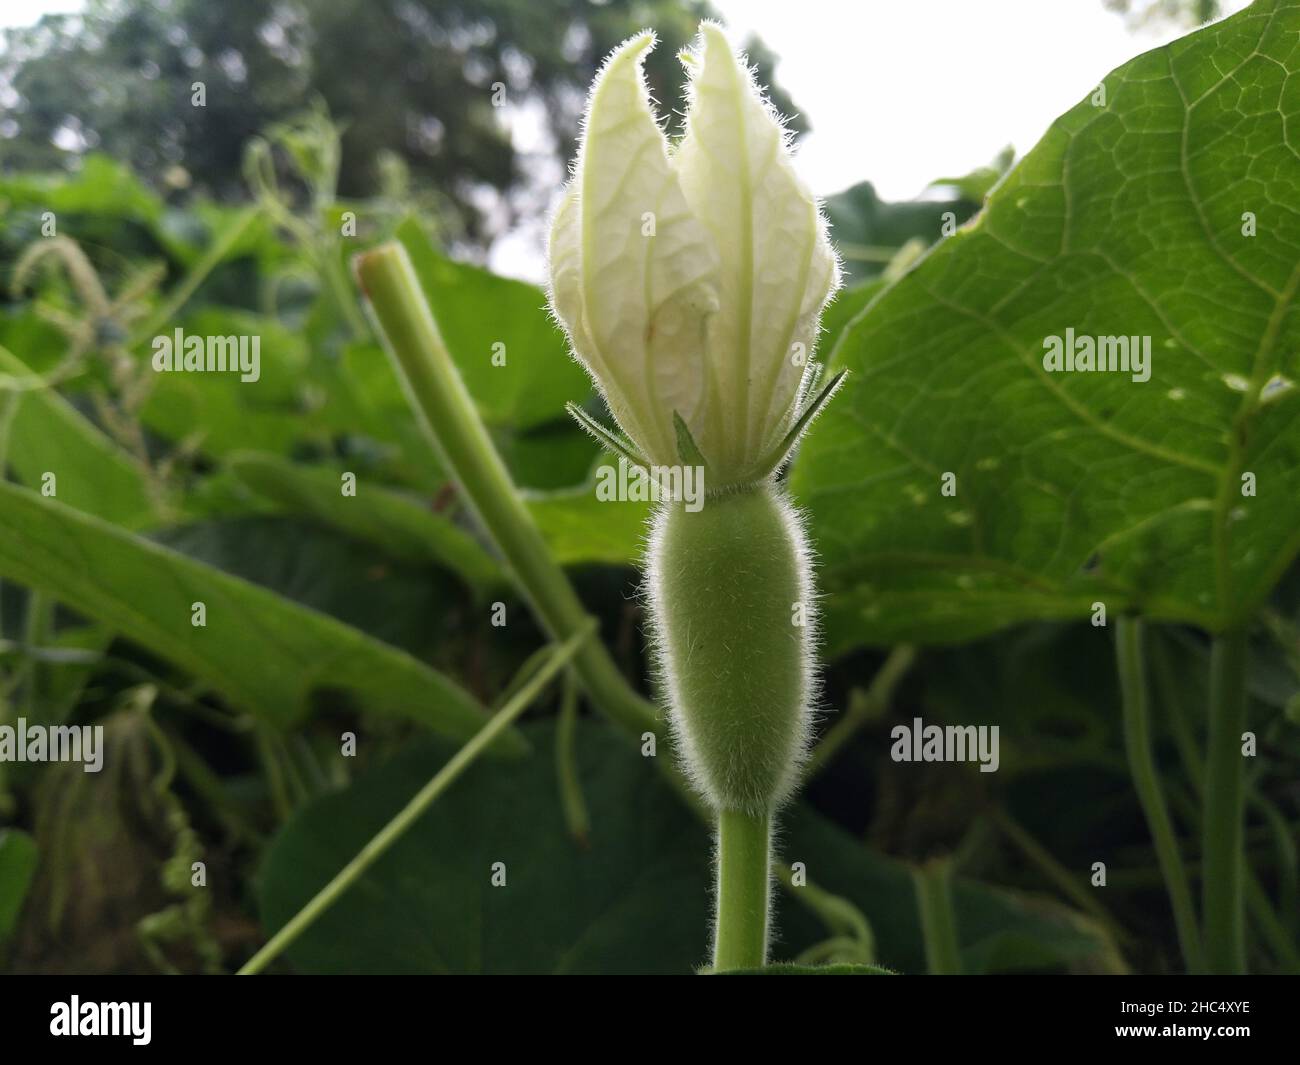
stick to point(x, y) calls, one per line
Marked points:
point(744, 890)
point(1224, 771)
point(411, 812)
point(566, 764)
point(1280, 934)
point(938, 917)
point(446, 411)
point(1146, 781)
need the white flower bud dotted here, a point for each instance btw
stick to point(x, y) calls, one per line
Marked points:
point(707, 312)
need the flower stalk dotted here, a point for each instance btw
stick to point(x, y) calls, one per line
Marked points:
point(743, 892)
point(1224, 873)
point(1129, 644)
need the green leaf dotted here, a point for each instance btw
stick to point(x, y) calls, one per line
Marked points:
point(1000, 931)
point(93, 473)
point(1072, 488)
point(102, 186)
point(476, 311)
point(580, 528)
point(634, 900)
point(547, 457)
point(840, 312)
point(261, 651)
point(400, 524)
point(224, 413)
point(868, 231)
point(17, 867)
point(407, 606)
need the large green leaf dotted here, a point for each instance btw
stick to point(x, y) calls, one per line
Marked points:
point(261, 651)
point(91, 472)
point(635, 899)
point(1126, 220)
point(475, 311)
point(409, 606)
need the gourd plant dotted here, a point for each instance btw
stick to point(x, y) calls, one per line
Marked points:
point(690, 277)
point(691, 280)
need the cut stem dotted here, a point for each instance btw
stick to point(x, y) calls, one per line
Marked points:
point(1224, 770)
point(744, 890)
point(449, 418)
point(1146, 781)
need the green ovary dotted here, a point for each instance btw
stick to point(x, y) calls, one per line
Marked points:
point(731, 597)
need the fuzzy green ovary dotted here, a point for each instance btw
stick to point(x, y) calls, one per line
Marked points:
point(725, 582)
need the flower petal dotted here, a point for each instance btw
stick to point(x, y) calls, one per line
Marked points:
point(777, 265)
point(632, 269)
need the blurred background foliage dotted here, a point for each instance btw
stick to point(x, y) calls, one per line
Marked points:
point(371, 616)
point(407, 82)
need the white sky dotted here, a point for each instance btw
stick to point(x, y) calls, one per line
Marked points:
point(899, 92)
point(25, 12)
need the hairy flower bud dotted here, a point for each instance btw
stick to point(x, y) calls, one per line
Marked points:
point(691, 277)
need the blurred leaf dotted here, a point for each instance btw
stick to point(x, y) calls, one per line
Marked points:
point(399, 524)
point(17, 867)
point(551, 457)
point(93, 473)
point(999, 930)
point(635, 901)
point(1074, 488)
point(475, 312)
point(868, 231)
point(261, 651)
point(102, 186)
point(412, 607)
point(976, 186)
point(221, 411)
point(579, 528)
